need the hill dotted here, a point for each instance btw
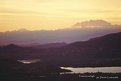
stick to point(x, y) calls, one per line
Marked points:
point(99, 51)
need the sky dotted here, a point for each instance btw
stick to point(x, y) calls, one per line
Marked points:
point(55, 14)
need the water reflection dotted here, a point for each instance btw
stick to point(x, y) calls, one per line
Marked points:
point(29, 61)
point(94, 70)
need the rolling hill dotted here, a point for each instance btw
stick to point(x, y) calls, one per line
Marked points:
point(99, 51)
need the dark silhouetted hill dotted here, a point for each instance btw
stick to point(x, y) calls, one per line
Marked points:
point(99, 51)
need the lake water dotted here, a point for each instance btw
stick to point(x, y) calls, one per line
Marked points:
point(93, 70)
point(29, 61)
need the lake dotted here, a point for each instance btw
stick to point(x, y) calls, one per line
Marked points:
point(93, 70)
point(29, 61)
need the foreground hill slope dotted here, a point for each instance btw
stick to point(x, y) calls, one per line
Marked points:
point(99, 51)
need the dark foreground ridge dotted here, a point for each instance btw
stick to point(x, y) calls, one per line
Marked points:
point(15, 71)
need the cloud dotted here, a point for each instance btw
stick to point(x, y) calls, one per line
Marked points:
point(16, 11)
point(93, 23)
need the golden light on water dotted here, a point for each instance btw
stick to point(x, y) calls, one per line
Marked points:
point(55, 14)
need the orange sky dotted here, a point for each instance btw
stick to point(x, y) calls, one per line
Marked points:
point(55, 14)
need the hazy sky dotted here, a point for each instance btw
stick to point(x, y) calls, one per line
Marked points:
point(55, 14)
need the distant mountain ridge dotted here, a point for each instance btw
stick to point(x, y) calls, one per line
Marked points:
point(68, 35)
point(48, 45)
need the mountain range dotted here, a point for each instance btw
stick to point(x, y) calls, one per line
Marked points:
point(81, 31)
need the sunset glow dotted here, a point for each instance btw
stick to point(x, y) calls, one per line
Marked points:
point(55, 14)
